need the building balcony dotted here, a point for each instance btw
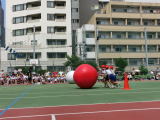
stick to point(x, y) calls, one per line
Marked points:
point(127, 55)
point(33, 21)
point(60, 20)
point(90, 41)
point(90, 55)
point(33, 5)
point(134, 15)
point(33, 8)
point(127, 42)
point(60, 33)
point(127, 28)
point(89, 27)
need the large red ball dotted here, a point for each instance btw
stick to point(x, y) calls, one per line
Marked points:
point(85, 76)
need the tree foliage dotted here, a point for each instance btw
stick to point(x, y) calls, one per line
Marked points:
point(121, 63)
point(143, 70)
point(92, 63)
point(75, 61)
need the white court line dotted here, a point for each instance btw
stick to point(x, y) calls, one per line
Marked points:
point(53, 117)
point(132, 102)
point(80, 113)
point(80, 91)
point(55, 96)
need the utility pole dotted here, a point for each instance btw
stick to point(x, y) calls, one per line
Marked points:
point(80, 50)
point(146, 46)
point(34, 43)
point(96, 45)
point(96, 8)
point(83, 43)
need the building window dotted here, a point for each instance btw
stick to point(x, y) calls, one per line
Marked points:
point(56, 68)
point(102, 21)
point(11, 56)
point(28, 55)
point(90, 35)
point(103, 35)
point(17, 20)
point(50, 29)
point(19, 32)
point(152, 48)
point(105, 62)
point(50, 16)
point(150, 35)
point(118, 35)
point(50, 4)
point(152, 61)
point(104, 48)
point(119, 48)
point(56, 55)
point(75, 20)
point(19, 7)
point(135, 61)
point(118, 22)
point(134, 48)
point(90, 48)
point(21, 55)
point(134, 35)
point(60, 29)
point(56, 42)
point(75, 10)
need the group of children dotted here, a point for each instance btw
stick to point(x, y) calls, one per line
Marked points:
point(21, 78)
point(109, 76)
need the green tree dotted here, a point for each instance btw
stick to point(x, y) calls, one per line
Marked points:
point(121, 63)
point(143, 70)
point(73, 61)
point(24, 68)
point(92, 63)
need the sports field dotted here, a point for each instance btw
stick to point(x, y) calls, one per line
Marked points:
point(68, 102)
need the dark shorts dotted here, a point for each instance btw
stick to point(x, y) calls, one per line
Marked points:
point(106, 78)
point(112, 77)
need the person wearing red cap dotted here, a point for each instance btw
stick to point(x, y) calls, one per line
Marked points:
point(106, 78)
point(112, 78)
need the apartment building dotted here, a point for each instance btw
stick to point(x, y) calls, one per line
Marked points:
point(2, 40)
point(82, 10)
point(124, 29)
point(45, 23)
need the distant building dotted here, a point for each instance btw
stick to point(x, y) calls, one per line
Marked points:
point(121, 28)
point(55, 24)
point(52, 21)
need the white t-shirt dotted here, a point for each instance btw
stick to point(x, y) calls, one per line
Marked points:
point(112, 71)
point(103, 71)
point(108, 71)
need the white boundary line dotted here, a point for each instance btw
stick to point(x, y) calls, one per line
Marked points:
point(132, 102)
point(79, 91)
point(53, 117)
point(81, 95)
point(79, 113)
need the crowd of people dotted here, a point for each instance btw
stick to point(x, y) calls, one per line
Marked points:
point(21, 78)
point(107, 75)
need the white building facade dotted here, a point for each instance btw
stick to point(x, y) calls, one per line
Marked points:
point(52, 22)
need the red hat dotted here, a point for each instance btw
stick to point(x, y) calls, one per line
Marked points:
point(111, 67)
point(107, 66)
point(103, 66)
